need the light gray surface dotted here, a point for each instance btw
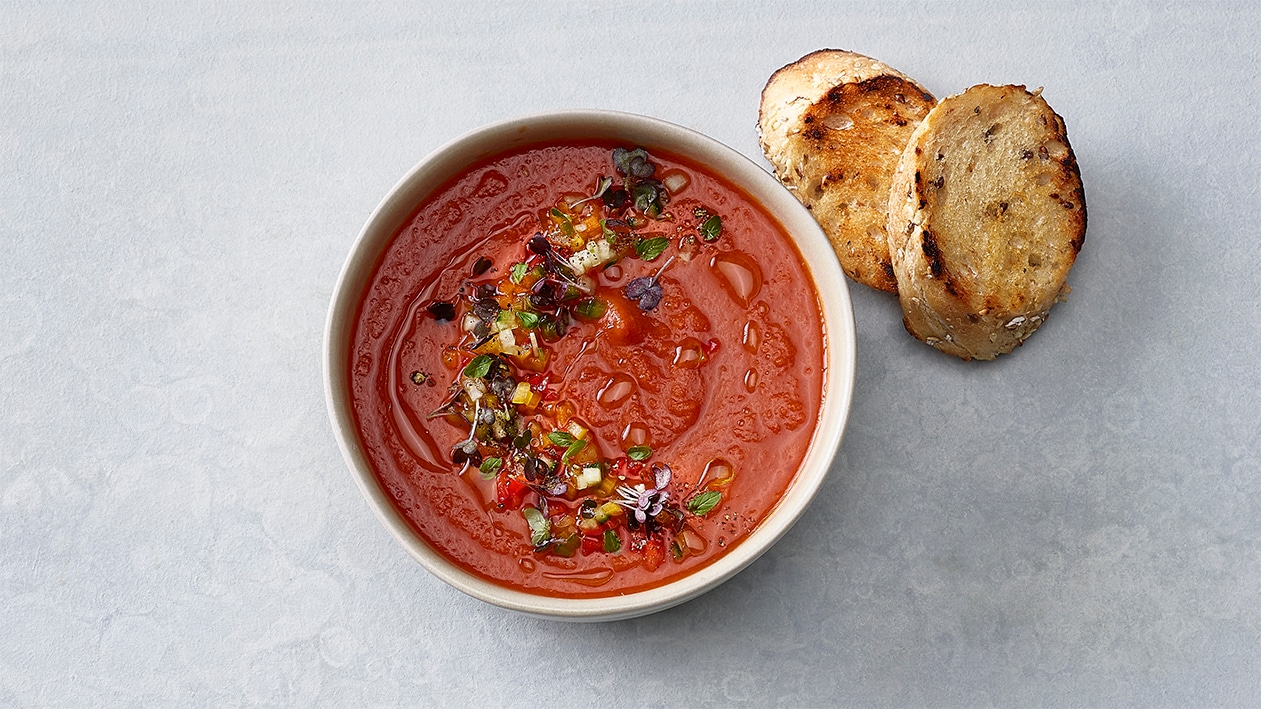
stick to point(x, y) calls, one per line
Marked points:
point(1074, 524)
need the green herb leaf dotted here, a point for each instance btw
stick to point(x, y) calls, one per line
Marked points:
point(566, 223)
point(528, 319)
point(649, 249)
point(704, 502)
point(573, 449)
point(517, 272)
point(419, 377)
point(479, 367)
point(560, 438)
point(639, 452)
point(612, 542)
point(711, 228)
point(490, 467)
point(540, 527)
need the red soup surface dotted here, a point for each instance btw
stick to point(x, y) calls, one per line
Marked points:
point(584, 370)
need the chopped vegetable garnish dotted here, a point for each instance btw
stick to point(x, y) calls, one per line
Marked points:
point(522, 433)
point(612, 542)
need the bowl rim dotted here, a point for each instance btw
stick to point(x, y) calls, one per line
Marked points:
point(430, 173)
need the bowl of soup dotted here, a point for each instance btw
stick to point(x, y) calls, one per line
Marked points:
point(588, 365)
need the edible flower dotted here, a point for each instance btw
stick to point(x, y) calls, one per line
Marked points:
point(643, 502)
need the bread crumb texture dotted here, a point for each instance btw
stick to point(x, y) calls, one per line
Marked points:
point(986, 216)
point(833, 125)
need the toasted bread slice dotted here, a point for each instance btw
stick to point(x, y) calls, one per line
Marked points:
point(833, 125)
point(986, 217)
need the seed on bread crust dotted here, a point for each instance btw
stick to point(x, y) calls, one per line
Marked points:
point(982, 234)
point(833, 125)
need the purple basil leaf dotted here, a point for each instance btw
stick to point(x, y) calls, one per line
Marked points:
point(651, 297)
point(636, 288)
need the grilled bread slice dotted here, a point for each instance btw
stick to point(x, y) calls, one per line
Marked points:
point(986, 216)
point(833, 125)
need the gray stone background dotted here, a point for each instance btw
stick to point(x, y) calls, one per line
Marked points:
point(1075, 524)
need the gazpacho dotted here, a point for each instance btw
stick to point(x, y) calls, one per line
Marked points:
point(583, 370)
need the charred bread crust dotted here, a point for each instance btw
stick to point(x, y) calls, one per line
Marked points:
point(833, 125)
point(986, 216)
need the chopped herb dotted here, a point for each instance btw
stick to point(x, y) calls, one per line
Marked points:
point(442, 311)
point(649, 249)
point(639, 453)
point(528, 319)
point(481, 266)
point(704, 502)
point(517, 273)
point(490, 467)
point(479, 366)
point(560, 438)
point(573, 449)
point(564, 220)
point(711, 228)
point(419, 377)
point(612, 542)
point(540, 527)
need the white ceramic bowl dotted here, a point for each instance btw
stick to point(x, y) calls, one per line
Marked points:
point(652, 134)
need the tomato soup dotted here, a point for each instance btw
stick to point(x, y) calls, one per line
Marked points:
point(585, 370)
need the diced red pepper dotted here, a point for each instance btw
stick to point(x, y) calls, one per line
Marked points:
point(510, 491)
point(592, 545)
point(653, 554)
point(621, 468)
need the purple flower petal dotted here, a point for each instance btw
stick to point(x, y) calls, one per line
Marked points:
point(662, 473)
